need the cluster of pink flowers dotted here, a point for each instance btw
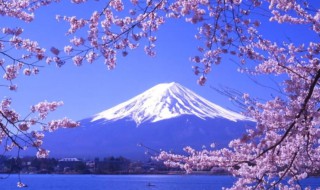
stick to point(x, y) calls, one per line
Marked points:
point(18, 9)
point(23, 55)
point(62, 123)
point(12, 119)
point(284, 146)
point(91, 56)
point(11, 72)
point(75, 24)
point(42, 153)
point(117, 5)
point(68, 49)
point(109, 34)
point(77, 60)
point(10, 31)
point(43, 108)
point(11, 65)
point(23, 126)
point(6, 112)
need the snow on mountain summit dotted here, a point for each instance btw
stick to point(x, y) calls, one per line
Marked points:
point(165, 101)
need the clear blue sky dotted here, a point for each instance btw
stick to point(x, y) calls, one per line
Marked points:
point(90, 89)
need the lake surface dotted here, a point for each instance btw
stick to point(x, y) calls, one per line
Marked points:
point(125, 182)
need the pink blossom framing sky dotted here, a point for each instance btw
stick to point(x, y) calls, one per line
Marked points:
point(89, 89)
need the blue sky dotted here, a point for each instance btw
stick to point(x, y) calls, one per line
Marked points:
point(89, 89)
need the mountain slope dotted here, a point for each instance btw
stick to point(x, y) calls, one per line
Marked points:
point(122, 137)
point(165, 101)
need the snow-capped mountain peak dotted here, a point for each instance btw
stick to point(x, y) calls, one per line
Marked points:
point(165, 101)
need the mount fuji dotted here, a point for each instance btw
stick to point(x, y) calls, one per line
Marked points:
point(166, 101)
point(168, 116)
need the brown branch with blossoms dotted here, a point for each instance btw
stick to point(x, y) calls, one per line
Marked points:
point(115, 34)
point(302, 110)
point(7, 133)
point(18, 131)
point(284, 146)
point(31, 52)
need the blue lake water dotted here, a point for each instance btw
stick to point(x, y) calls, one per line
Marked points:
point(126, 182)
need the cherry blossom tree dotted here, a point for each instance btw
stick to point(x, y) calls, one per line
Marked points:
point(278, 153)
point(21, 55)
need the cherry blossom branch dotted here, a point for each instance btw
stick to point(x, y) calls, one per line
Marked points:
point(286, 171)
point(303, 108)
point(5, 130)
point(20, 60)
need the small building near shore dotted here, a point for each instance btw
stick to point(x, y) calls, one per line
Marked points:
point(68, 164)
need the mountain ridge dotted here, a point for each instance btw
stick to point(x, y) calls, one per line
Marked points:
point(165, 101)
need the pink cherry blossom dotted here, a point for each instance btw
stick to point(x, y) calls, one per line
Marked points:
point(43, 108)
point(63, 123)
point(23, 126)
point(42, 153)
point(77, 60)
point(68, 49)
point(27, 71)
point(91, 56)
